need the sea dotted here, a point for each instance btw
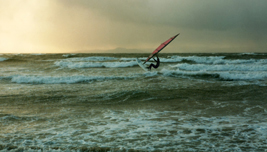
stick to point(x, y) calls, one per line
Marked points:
point(106, 102)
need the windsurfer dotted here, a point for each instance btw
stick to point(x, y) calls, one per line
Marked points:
point(153, 65)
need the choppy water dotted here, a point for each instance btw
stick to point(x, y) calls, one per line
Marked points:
point(106, 102)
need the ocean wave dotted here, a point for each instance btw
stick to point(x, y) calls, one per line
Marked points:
point(221, 67)
point(224, 75)
point(202, 60)
point(140, 130)
point(2, 59)
point(252, 53)
point(243, 76)
point(127, 59)
point(199, 59)
point(93, 58)
point(100, 61)
point(74, 65)
point(171, 59)
point(177, 72)
point(68, 55)
point(196, 59)
point(60, 80)
point(241, 61)
point(237, 61)
point(38, 54)
point(150, 74)
point(212, 60)
point(144, 58)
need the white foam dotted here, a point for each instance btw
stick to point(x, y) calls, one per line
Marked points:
point(175, 58)
point(243, 75)
point(93, 58)
point(239, 61)
point(81, 62)
point(168, 60)
point(205, 60)
point(222, 67)
point(2, 59)
point(141, 130)
point(226, 69)
point(68, 55)
point(168, 72)
point(199, 59)
point(150, 74)
point(251, 53)
point(252, 75)
point(60, 80)
point(211, 60)
point(127, 59)
point(171, 59)
point(37, 54)
point(75, 65)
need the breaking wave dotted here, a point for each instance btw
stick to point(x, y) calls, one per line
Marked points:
point(221, 67)
point(173, 59)
point(218, 67)
point(213, 60)
point(38, 54)
point(225, 75)
point(74, 65)
point(2, 59)
point(60, 80)
point(138, 131)
point(93, 58)
point(197, 59)
point(202, 60)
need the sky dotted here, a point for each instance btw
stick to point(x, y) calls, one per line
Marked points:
point(129, 26)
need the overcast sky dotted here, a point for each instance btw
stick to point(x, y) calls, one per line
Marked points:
point(56, 26)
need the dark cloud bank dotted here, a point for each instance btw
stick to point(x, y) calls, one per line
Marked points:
point(208, 25)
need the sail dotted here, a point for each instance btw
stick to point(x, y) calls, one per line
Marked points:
point(162, 46)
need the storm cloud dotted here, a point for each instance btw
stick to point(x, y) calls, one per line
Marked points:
point(206, 14)
point(80, 25)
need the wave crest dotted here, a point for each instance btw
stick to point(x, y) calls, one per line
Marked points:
point(74, 65)
point(61, 80)
point(2, 59)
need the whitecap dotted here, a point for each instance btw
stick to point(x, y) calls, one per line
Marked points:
point(199, 59)
point(221, 67)
point(150, 74)
point(68, 55)
point(2, 59)
point(60, 80)
point(75, 65)
point(92, 58)
point(37, 54)
point(226, 75)
point(243, 75)
point(127, 59)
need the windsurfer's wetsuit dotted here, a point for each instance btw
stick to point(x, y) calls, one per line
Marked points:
point(153, 65)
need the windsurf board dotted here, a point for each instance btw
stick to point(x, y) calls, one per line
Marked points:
point(141, 65)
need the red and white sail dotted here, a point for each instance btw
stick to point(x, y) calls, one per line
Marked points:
point(162, 46)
